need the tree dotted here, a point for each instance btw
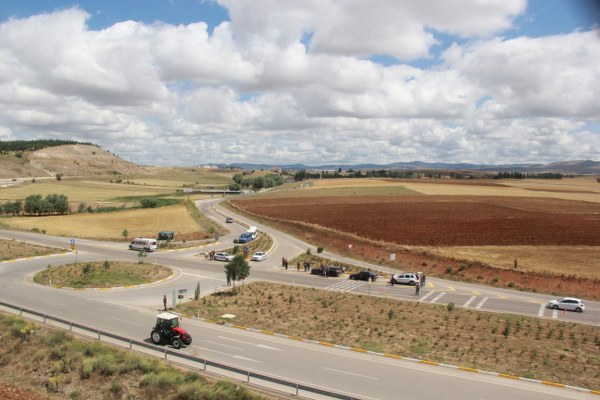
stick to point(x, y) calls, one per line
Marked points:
point(237, 269)
point(125, 233)
point(33, 204)
point(197, 292)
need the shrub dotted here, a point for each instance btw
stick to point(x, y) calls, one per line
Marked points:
point(319, 249)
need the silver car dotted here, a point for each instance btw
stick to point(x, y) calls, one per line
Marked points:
point(223, 257)
point(259, 256)
point(568, 303)
point(406, 278)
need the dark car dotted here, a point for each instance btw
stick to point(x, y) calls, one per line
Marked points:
point(328, 270)
point(229, 220)
point(364, 276)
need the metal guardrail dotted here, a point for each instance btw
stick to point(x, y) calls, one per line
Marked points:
point(295, 388)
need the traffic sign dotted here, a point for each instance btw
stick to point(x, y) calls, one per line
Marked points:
point(72, 241)
point(73, 246)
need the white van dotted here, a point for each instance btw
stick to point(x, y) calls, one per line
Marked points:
point(143, 244)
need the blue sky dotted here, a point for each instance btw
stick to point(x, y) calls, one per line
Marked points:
point(508, 82)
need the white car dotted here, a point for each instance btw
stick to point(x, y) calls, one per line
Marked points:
point(259, 256)
point(223, 257)
point(568, 303)
point(406, 278)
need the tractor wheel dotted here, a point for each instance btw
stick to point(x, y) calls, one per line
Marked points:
point(176, 343)
point(156, 337)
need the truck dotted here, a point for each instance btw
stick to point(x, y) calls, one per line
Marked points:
point(249, 235)
point(143, 244)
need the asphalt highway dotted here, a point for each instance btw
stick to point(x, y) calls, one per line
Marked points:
point(130, 312)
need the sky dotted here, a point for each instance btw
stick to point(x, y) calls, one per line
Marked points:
point(196, 82)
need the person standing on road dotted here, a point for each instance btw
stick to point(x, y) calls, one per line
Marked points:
point(417, 289)
point(165, 301)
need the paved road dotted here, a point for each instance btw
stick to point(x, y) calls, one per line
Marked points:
point(129, 312)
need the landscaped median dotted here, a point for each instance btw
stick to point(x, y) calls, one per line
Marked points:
point(102, 274)
point(532, 348)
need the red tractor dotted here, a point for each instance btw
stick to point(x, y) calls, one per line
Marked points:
point(167, 330)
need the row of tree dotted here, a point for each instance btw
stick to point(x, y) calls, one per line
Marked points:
point(241, 181)
point(35, 204)
point(33, 145)
point(528, 175)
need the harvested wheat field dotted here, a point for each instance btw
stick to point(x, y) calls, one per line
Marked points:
point(110, 226)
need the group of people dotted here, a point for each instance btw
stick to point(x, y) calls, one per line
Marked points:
point(210, 254)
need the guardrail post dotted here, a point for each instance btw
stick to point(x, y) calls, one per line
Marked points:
point(130, 344)
point(20, 311)
point(248, 374)
point(70, 326)
point(165, 354)
point(98, 335)
point(296, 389)
point(205, 365)
point(44, 318)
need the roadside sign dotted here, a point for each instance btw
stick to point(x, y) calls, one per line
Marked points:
point(181, 291)
point(392, 256)
point(72, 241)
point(73, 246)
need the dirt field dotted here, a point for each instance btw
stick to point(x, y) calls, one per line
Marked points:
point(516, 345)
point(110, 226)
point(444, 220)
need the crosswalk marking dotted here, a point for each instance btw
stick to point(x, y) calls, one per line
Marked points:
point(439, 296)
point(541, 312)
point(555, 314)
point(482, 302)
point(469, 301)
point(345, 286)
point(426, 296)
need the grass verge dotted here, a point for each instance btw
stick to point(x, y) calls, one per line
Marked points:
point(34, 357)
point(515, 345)
point(101, 274)
point(11, 249)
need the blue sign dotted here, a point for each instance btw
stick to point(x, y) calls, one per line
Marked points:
point(72, 241)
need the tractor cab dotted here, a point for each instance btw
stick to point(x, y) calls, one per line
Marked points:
point(168, 330)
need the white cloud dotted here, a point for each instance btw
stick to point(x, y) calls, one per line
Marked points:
point(288, 82)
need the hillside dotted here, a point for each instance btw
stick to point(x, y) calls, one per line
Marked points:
point(67, 160)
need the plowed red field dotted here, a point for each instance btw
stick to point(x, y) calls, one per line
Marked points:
point(443, 220)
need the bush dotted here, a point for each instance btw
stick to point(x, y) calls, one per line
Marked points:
point(319, 249)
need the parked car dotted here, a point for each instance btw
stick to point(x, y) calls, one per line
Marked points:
point(406, 278)
point(259, 256)
point(328, 270)
point(229, 220)
point(364, 276)
point(223, 257)
point(567, 303)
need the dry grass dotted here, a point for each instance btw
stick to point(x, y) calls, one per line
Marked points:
point(578, 260)
point(110, 226)
point(516, 345)
point(11, 249)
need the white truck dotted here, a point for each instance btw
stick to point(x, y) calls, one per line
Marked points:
point(143, 244)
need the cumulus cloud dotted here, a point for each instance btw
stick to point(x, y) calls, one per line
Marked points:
point(293, 82)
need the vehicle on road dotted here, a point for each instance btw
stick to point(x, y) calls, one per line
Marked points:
point(223, 257)
point(328, 270)
point(143, 244)
point(259, 256)
point(406, 278)
point(364, 276)
point(249, 235)
point(567, 303)
point(229, 220)
point(167, 330)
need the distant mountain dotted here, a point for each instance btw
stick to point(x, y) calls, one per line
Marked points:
point(577, 167)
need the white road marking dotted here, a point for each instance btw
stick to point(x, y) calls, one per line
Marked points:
point(345, 286)
point(469, 301)
point(128, 321)
point(235, 340)
point(541, 312)
point(264, 346)
point(426, 296)
point(351, 373)
point(246, 359)
point(224, 345)
point(481, 303)
point(200, 276)
point(555, 314)
point(439, 296)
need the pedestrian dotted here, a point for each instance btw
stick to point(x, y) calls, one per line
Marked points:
point(228, 280)
point(515, 263)
point(298, 266)
point(417, 289)
point(421, 280)
point(285, 263)
point(165, 301)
